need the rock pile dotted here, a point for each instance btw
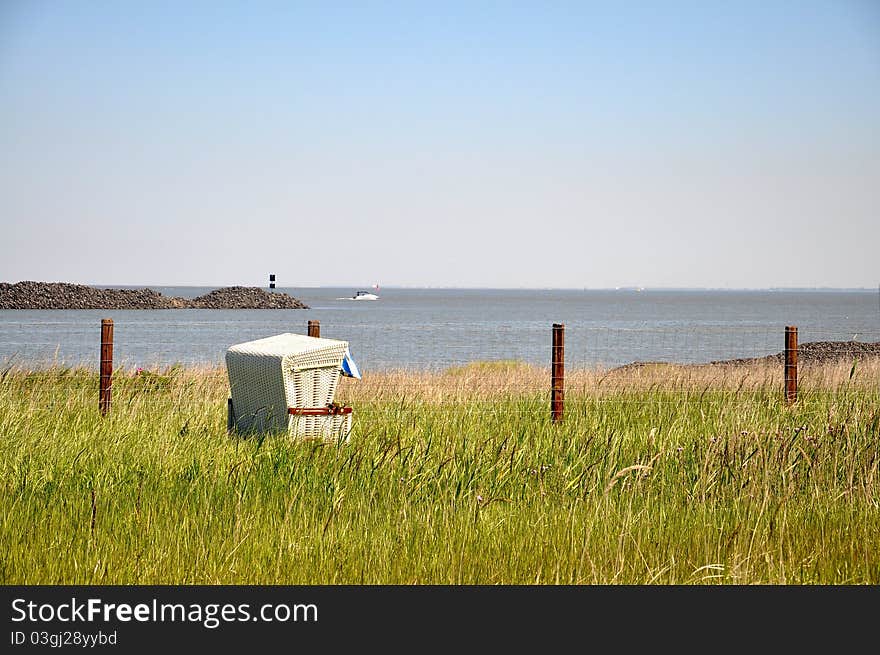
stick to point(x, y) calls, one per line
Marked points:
point(245, 298)
point(818, 352)
point(62, 295)
point(811, 352)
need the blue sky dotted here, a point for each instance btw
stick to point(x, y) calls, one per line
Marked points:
point(477, 144)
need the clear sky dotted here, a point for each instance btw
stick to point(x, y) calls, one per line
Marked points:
point(475, 144)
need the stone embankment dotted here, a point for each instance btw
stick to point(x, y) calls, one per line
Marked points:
point(809, 353)
point(818, 352)
point(63, 295)
point(245, 298)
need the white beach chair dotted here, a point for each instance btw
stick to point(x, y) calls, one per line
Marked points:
point(287, 383)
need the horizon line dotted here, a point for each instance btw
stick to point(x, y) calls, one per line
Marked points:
point(504, 288)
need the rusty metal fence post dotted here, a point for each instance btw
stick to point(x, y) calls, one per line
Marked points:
point(557, 381)
point(314, 329)
point(106, 366)
point(791, 366)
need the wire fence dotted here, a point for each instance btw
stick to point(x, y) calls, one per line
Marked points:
point(422, 347)
point(470, 362)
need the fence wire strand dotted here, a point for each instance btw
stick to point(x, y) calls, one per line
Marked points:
point(466, 364)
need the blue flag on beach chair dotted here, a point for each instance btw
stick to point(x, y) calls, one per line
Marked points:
point(349, 368)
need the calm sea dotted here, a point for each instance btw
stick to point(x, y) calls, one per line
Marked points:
point(418, 328)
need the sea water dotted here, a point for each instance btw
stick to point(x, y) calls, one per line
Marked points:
point(436, 328)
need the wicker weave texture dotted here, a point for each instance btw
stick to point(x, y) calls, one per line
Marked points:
point(328, 428)
point(267, 376)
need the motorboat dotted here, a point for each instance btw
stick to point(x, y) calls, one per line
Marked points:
point(365, 295)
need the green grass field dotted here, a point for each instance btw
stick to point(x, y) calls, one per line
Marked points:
point(671, 478)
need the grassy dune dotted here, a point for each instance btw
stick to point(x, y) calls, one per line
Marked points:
point(659, 474)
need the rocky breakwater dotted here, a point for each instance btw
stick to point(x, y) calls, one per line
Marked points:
point(245, 298)
point(818, 352)
point(63, 295)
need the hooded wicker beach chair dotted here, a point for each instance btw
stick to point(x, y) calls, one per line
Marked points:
point(286, 383)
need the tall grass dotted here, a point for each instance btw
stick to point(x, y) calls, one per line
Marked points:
point(658, 475)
